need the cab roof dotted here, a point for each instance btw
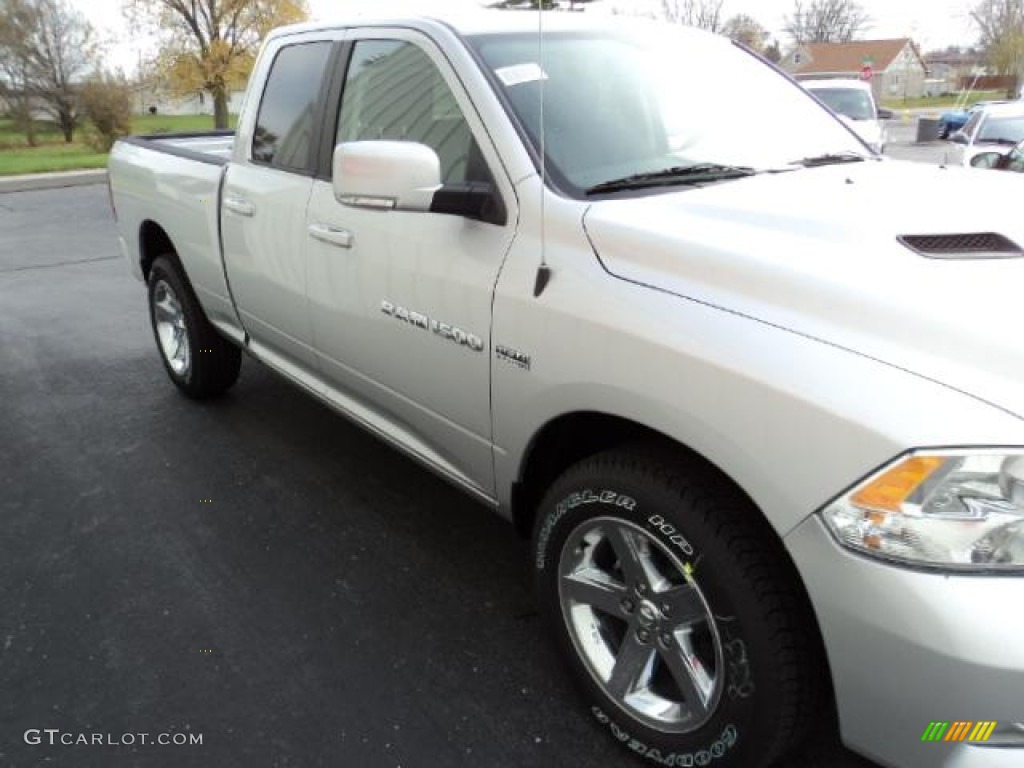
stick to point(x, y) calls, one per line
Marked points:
point(484, 22)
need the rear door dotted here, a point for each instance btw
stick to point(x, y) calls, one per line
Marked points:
point(401, 301)
point(264, 207)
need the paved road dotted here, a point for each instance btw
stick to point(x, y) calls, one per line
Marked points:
point(257, 572)
point(903, 146)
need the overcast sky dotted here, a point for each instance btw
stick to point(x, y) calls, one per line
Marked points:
point(932, 23)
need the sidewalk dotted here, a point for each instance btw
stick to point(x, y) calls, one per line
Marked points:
point(52, 180)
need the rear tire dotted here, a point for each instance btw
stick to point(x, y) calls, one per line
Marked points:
point(678, 614)
point(200, 362)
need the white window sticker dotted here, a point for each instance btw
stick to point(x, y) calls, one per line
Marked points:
point(521, 73)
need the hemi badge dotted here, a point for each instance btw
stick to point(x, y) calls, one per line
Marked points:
point(513, 356)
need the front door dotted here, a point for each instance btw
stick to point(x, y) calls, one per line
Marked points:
point(401, 301)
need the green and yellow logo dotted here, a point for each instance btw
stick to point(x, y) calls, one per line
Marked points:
point(959, 730)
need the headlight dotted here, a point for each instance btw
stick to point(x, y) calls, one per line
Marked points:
point(954, 510)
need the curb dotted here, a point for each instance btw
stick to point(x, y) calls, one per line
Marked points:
point(37, 181)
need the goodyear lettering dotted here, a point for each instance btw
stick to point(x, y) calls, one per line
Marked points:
point(702, 757)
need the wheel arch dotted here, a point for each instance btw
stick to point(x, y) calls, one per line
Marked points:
point(153, 242)
point(572, 437)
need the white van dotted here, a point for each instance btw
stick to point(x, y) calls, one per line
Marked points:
point(854, 102)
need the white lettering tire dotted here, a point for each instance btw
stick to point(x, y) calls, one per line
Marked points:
point(678, 613)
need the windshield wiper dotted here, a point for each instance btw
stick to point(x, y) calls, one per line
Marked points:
point(998, 140)
point(685, 174)
point(832, 158)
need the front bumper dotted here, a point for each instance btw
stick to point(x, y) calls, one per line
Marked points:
point(908, 648)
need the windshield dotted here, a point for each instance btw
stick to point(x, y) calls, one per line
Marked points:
point(852, 102)
point(1007, 130)
point(621, 103)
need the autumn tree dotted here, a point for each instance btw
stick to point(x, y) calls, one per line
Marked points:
point(210, 45)
point(773, 52)
point(746, 30)
point(46, 50)
point(1001, 27)
point(107, 102)
point(826, 21)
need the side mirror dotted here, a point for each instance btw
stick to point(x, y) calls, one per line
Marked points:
point(885, 114)
point(406, 176)
point(986, 160)
point(386, 175)
point(959, 138)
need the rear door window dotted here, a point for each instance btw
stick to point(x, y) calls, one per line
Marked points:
point(287, 122)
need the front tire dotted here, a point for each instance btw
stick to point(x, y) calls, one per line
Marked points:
point(200, 362)
point(677, 612)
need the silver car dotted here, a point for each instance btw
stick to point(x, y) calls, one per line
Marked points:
point(995, 128)
point(1012, 161)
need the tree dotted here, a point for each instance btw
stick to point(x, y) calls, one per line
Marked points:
point(211, 45)
point(14, 71)
point(826, 21)
point(1001, 27)
point(107, 102)
point(705, 14)
point(746, 30)
point(47, 48)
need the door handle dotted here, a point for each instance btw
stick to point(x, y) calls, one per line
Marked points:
point(331, 235)
point(239, 206)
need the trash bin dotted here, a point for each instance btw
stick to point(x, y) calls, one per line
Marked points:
point(928, 129)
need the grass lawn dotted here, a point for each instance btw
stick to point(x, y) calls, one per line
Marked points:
point(942, 101)
point(50, 157)
point(53, 154)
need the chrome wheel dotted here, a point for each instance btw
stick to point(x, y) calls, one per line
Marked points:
point(641, 624)
point(169, 320)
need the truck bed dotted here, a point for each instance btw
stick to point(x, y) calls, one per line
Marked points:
point(180, 176)
point(212, 147)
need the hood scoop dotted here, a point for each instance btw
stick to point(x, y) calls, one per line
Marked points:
point(971, 245)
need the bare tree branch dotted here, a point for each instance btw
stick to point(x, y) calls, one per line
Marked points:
point(1001, 27)
point(46, 48)
point(705, 14)
point(826, 21)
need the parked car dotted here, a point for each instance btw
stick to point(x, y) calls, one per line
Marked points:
point(755, 395)
point(994, 128)
point(1011, 161)
point(955, 119)
point(854, 102)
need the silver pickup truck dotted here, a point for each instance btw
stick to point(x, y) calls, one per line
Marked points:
point(754, 391)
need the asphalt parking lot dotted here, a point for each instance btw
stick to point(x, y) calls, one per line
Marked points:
point(903, 146)
point(255, 572)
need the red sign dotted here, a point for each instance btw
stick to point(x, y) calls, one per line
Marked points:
point(866, 72)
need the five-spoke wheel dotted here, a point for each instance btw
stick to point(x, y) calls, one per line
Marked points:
point(677, 611)
point(199, 361)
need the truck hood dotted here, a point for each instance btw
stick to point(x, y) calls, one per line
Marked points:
point(816, 251)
